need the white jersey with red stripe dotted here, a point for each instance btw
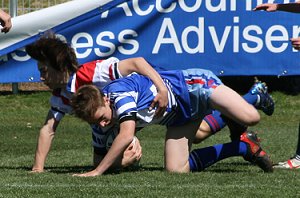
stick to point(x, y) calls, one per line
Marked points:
point(98, 72)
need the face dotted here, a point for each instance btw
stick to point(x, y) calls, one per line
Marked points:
point(52, 78)
point(103, 116)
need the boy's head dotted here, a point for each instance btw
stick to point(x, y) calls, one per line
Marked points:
point(56, 59)
point(92, 106)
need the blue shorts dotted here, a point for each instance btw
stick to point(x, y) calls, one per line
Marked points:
point(200, 83)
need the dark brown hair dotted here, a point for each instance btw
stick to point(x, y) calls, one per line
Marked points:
point(57, 53)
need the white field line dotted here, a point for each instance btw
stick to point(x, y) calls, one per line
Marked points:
point(129, 186)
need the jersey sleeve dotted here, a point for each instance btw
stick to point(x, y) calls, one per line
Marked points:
point(98, 73)
point(60, 104)
point(125, 106)
point(105, 72)
point(108, 69)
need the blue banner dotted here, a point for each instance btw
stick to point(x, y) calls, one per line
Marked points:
point(225, 36)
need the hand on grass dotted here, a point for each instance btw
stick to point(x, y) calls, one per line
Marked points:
point(92, 173)
point(36, 170)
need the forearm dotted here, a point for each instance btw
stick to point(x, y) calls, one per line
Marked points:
point(5, 21)
point(131, 155)
point(4, 16)
point(113, 158)
point(43, 147)
point(141, 66)
point(119, 145)
point(146, 69)
point(45, 138)
point(289, 7)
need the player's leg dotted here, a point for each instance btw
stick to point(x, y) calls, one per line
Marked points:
point(257, 96)
point(264, 100)
point(298, 146)
point(233, 106)
point(293, 162)
point(178, 143)
point(206, 130)
point(248, 147)
point(203, 132)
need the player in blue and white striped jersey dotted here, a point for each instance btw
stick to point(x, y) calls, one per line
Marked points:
point(193, 93)
point(60, 71)
point(132, 96)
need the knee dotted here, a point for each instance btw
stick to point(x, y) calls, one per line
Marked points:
point(176, 169)
point(252, 118)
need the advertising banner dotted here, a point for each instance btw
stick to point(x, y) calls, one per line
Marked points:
point(224, 36)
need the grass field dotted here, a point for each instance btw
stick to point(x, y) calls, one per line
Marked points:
point(22, 115)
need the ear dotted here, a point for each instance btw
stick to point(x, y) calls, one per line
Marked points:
point(106, 100)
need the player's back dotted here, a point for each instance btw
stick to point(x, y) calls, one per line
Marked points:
point(135, 93)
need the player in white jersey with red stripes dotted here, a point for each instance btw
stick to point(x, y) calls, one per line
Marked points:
point(99, 73)
point(60, 71)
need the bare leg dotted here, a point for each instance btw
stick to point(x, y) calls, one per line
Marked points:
point(203, 132)
point(178, 144)
point(232, 105)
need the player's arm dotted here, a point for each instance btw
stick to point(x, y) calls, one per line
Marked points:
point(45, 138)
point(272, 7)
point(119, 145)
point(5, 21)
point(131, 155)
point(289, 7)
point(295, 43)
point(141, 66)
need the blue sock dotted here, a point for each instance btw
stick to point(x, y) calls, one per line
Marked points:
point(202, 158)
point(215, 121)
point(250, 98)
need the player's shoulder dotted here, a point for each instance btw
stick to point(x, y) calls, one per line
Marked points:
point(101, 64)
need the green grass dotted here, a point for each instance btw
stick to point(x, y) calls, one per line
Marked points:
point(22, 116)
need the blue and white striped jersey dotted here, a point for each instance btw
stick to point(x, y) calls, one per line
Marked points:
point(189, 93)
point(132, 96)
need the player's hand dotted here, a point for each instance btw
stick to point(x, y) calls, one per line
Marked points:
point(92, 173)
point(132, 154)
point(160, 101)
point(269, 7)
point(37, 170)
point(5, 21)
point(295, 43)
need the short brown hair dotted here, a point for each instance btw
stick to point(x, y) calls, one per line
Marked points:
point(86, 101)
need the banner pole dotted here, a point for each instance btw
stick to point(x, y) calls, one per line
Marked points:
point(13, 11)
